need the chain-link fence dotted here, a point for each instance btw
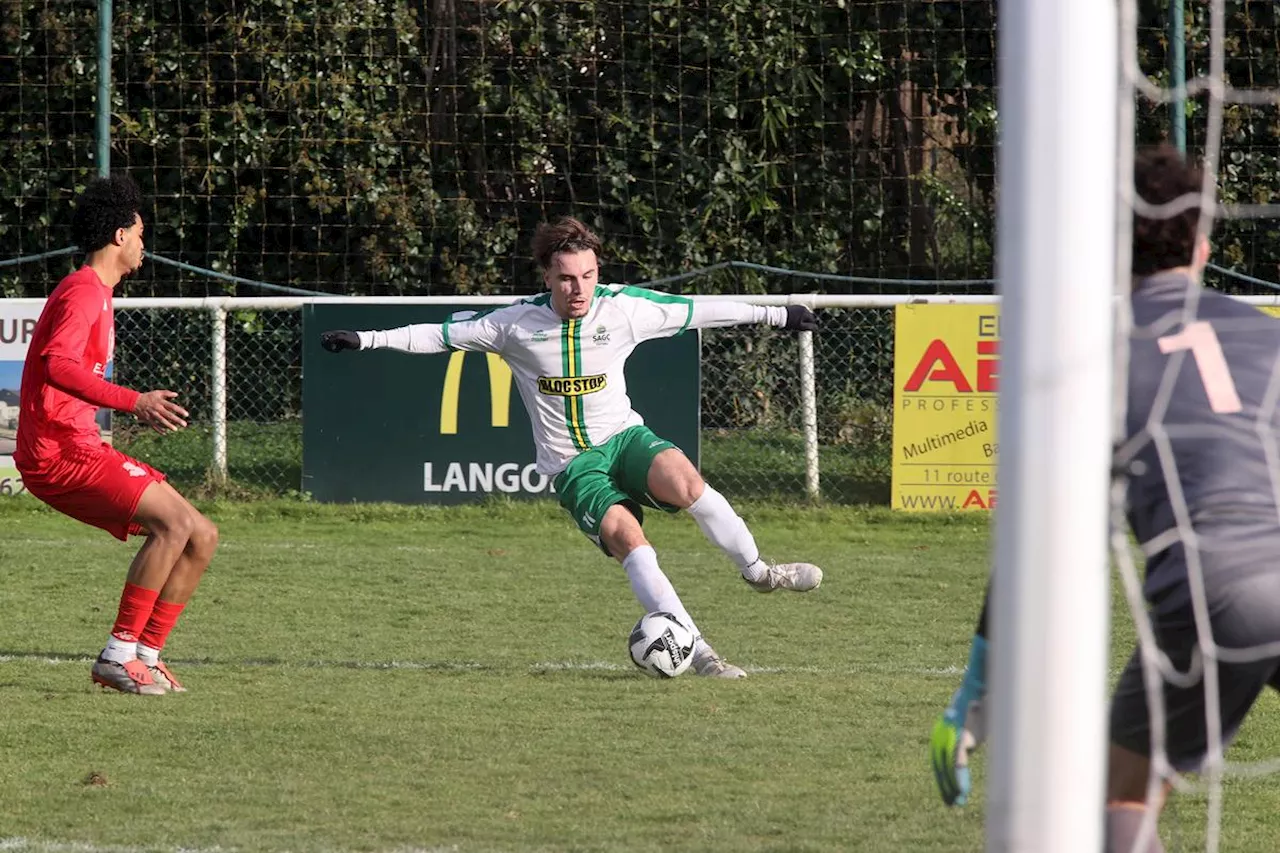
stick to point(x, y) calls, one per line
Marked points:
point(752, 435)
point(753, 443)
point(174, 348)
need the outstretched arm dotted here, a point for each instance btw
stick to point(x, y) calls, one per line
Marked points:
point(962, 727)
point(660, 315)
point(714, 314)
point(422, 338)
point(474, 332)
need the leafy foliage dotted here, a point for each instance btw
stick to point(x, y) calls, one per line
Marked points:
point(411, 147)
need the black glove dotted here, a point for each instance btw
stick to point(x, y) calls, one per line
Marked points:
point(337, 341)
point(800, 319)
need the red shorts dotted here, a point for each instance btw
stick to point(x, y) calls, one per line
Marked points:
point(97, 485)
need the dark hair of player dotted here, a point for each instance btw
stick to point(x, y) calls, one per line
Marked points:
point(103, 207)
point(1160, 175)
point(564, 235)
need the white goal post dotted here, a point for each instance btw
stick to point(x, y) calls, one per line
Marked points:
point(1059, 79)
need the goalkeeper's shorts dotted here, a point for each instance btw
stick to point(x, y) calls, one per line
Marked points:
point(1244, 613)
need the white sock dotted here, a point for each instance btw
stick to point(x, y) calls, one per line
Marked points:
point(120, 651)
point(651, 587)
point(148, 655)
point(728, 532)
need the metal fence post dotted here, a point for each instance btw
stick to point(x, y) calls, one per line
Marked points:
point(103, 131)
point(219, 377)
point(809, 416)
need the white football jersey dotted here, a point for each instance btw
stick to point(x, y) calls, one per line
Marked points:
point(570, 372)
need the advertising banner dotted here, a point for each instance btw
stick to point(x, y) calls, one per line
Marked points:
point(450, 428)
point(945, 379)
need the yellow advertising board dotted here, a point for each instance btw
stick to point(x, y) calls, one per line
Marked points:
point(945, 380)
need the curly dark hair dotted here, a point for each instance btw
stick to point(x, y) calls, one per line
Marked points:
point(566, 234)
point(103, 207)
point(1160, 175)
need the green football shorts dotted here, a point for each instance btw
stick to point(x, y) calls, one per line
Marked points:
point(612, 473)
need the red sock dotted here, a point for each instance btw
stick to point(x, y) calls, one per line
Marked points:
point(136, 605)
point(163, 618)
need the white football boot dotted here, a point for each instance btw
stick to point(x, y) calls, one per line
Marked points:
point(797, 577)
point(707, 662)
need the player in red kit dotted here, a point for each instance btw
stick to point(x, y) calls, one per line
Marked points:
point(65, 463)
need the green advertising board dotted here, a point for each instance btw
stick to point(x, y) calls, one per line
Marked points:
point(449, 428)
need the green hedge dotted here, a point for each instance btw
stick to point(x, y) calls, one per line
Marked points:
point(411, 147)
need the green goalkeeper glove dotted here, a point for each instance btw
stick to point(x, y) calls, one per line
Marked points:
point(960, 730)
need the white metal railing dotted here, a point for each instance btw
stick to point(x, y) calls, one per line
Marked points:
point(218, 308)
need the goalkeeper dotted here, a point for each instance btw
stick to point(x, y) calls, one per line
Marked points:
point(1200, 435)
point(567, 349)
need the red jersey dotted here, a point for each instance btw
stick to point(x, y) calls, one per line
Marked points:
point(78, 325)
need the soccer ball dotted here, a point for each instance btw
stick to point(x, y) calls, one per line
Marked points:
point(661, 645)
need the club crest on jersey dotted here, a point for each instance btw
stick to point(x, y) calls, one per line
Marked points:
point(571, 386)
point(539, 336)
point(601, 336)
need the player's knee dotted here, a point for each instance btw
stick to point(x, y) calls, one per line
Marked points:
point(622, 546)
point(687, 489)
point(203, 539)
point(177, 525)
point(673, 479)
point(621, 532)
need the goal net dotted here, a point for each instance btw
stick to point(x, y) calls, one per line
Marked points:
point(1077, 375)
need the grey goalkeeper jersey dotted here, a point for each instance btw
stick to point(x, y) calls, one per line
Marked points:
point(569, 373)
point(1202, 441)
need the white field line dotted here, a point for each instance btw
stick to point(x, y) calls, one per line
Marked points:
point(34, 845)
point(288, 545)
point(477, 666)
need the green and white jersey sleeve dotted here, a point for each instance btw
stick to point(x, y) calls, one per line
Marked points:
point(570, 373)
point(473, 331)
point(661, 315)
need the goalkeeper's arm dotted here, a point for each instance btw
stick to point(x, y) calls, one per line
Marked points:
point(962, 728)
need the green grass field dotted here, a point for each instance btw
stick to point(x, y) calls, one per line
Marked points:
point(430, 679)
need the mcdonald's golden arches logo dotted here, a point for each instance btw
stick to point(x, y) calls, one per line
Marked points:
point(499, 392)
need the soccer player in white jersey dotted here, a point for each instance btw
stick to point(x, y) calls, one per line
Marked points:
point(1201, 424)
point(607, 465)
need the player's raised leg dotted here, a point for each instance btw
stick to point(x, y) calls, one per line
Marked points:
point(673, 480)
point(623, 537)
point(179, 547)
